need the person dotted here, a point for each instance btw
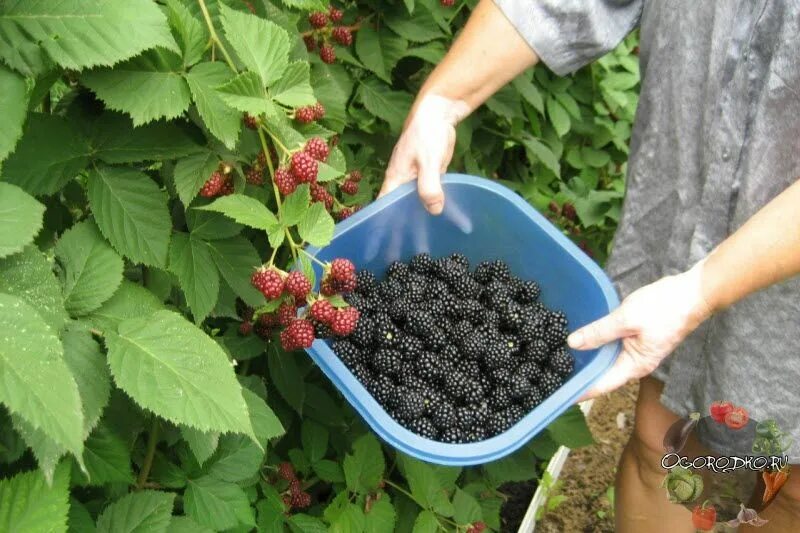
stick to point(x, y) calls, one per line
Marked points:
point(710, 228)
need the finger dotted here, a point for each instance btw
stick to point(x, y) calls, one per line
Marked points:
point(430, 187)
point(624, 370)
point(399, 171)
point(609, 328)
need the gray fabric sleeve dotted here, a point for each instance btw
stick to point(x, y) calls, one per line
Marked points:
point(567, 34)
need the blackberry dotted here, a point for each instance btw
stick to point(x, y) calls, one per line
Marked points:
point(473, 392)
point(496, 424)
point(483, 272)
point(472, 345)
point(397, 270)
point(485, 381)
point(386, 362)
point(452, 435)
point(474, 434)
point(400, 309)
point(359, 301)
point(461, 260)
point(536, 352)
point(362, 374)
point(512, 317)
point(496, 355)
point(491, 318)
point(449, 354)
point(416, 289)
point(411, 380)
point(436, 308)
point(501, 375)
point(347, 352)
point(534, 398)
point(386, 334)
point(531, 327)
point(499, 271)
point(562, 363)
point(447, 271)
point(466, 417)
point(519, 387)
point(451, 305)
point(465, 287)
point(421, 263)
point(556, 335)
point(444, 416)
point(411, 405)
point(527, 292)
point(410, 346)
point(420, 324)
point(390, 289)
point(382, 389)
point(515, 413)
point(363, 334)
point(496, 296)
point(424, 428)
point(427, 367)
point(436, 338)
point(322, 331)
point(455, 384)
point(549, 382)
point(461, 330)
point(499, 398)
point(473, 311)
point(530, 371)
point(437, 289)
point(557, 318)
point(365, 282)
point(470, 368)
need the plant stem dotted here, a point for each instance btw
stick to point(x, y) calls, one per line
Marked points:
point(214, 37)
point(152, 440)
point(398, 488)
point(271, 171)
point(277, 141)
point(317, 261)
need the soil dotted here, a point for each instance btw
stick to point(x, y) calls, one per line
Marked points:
point(586, 476)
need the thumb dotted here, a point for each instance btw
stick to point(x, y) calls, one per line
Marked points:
point(430, 187)
point(623, 370)
point(609, 328)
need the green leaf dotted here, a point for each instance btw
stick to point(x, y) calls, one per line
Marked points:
point(29, 505)
point(37, 384)
point(245, 93)
point(426, 522)
point(266, 425)
point(20, 219)
point(333, 87)
point(175, 370)
point(148, 87)
point(236, 258)
point(131, 211)
point(466, 508)
point(306, 524)
point(314, 437)
point(329, 471)
point(190, 260)
point(92, 269)
point(294, 87)
point(529, 92)
point(519, 466)
point(79, 520)
point(221, 120)
point(432, 52)
point(419, 28)
point(191, 35)
point(210, 226)
point(261, 45)
point(426, 487)
point(595, 158)
point(184, 524)
point(88, 365)
point(203, 444)
point(539, 151)
point(237, 458)
point(192, 172)
point(51, 152)
point(77, 34)
point(295, 205)
point(29, 275)
point(107, 458)
point(241, 347)
point(364, 467)
point(381, 101)
point(316, 227)
point(145, 511)
point(130, 301)
point(245, 210)
point(115, 140)
point(350, 519)
point(570, 429)
point(558, 116)
point(13, 109)
point(271, 517)
point(217, 504)
point(506, 103)
point(306, 5)
point(381, 517)
point(287, 378)
point(569, 104)
point(380, 50)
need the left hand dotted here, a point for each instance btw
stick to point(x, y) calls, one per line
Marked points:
point(651, 322)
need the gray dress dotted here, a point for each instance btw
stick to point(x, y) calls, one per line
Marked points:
point(717, 136)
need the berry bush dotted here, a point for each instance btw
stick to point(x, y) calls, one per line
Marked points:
point(164, 163)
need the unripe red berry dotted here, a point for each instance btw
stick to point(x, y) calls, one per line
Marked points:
point(299, 334)
point(344, 213)
point(342, 35)
point(268, 281)
point(355, 175)
point(286, 471)
point(318, 19)
point(250, 121)
point(335, 14)
point(255, 176)
point(447, 3)
point(285, 181)
point(227, 187)
point(310, 42)
point(298, 285)
point(319, 110)
point(322, 311)
point(343, 269)
point(301, 500)
point(286, 313)
point(317, 148)
point(304, 167)
point(569, 211)
point(553, 207)
point(349, 187)
point(213, 185)
point(305, 115)
point(327, 54)
point(245, 328)
point(344, 321)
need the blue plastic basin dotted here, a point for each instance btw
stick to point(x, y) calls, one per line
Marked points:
point(482, 220)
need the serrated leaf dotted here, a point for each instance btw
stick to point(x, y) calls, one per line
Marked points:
point(145, 511)
point(236, 258)
point(190, 260)
point(379, 50)
point(107, 458)
point(381, 517)
point(541, 152)
point(92, 269)
point(13, 109)
point(529, 92)
point(466, 508)
point(261, 45)
point(51, 152)
point(333, 87)
point(419, 27)
point(381, 101)
point(37, 384)
point(237, 458)
point(130, 301)
point(426, 522)
point(77, 34)
point(432, 52)
point(244, 210)
point(147, 87)
point(245, 93)
point(286, 377)
point(210, 226)
point(131, 211)
point(29, 275)
point(29, 505)
point(295, 205)
point(222, 121)
point(20, 219)
point(570, 429)
point(426, 488)
point(304, 523)
point(316, 227)
point(306, 5)
point(203, 444)
point(558, 116)
point(329, 471)
point(184, 524)
point(314, 437)
point(175, 370)
point(79, 520)
point(192, 172)
point(116, 140)
point(293, 89)
point(364, 467)
point(327, 172)
point(191, 34)
point(217, 504)
point(266, 425)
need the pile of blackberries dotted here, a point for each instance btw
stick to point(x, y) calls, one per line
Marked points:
point(452, 354)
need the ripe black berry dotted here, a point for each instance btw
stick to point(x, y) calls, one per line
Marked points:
point(347, 352)
point(444, 416)
point(424, 428)
point(536, 352)
point(549, 382)
point(387, 361)
point(499, 398)
point(527, 292)
point(411, 405)
point(365, 282)
point(562, 363)
point(422, 263)
point(520, 387)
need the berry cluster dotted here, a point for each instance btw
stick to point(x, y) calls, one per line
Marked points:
point(310, 113)
point(323, 29)
point(294, 497)
point(454, 354)
point(220, 183)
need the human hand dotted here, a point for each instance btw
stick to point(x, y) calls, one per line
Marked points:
point(651, 322)
point(425, 148)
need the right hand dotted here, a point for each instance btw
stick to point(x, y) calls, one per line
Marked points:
point(425, 148)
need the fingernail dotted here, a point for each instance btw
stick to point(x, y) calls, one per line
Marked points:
point(435, 207)
point(576, 340)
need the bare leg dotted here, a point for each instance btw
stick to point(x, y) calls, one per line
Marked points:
point(784, 513)
point(641, 503)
